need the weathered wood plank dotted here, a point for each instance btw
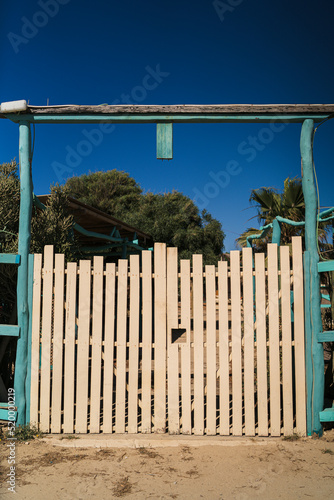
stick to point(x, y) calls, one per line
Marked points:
point(46, 339)
point(121, 345)
point(274, 349)
point(298, 310)
point(160, 337)
point(183, 109)
point(198, 345)
point(109, 338)
point(83, 346)
point(134, 344)
point(211, 370)
point(35, 334)
point(147, 340)
point(172, 349)
point(261, 345)
point(57, 352)
point(247, 282)
point(185, 348)
point(69, 372)
point(286, 342)
point(224, 365)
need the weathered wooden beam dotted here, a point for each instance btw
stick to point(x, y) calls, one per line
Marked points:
point(186, 109)
point(213, 113)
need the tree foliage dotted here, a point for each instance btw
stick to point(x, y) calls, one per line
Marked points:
point(9, 223)
point(113, 192)
point(271, 203)
point(9, 207)
point(170, 218)
point(50, 226)
point(54, 225)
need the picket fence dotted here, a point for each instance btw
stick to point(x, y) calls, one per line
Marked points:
point(141, 348)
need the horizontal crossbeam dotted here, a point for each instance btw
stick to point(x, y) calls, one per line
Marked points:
point(9, 330)
point(327, 415)
point(326, 336)
point(10, 258)
point(183, 113)
point(165, 118)
point(184, 109)
point(4, 412)
point(327, 265)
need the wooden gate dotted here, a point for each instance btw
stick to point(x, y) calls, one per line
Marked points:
point(157, 345)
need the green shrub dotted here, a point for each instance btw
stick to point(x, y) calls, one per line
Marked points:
point(25, 433)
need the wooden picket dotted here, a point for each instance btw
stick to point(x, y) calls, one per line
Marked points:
point(97, 314)
point(146, 380)
point(185, 347)
point(236, 345)
point(82, 381)
point(121, 345)
point(286, 341)
point(172, 347)
point(160, 330)
point(211, 343)
point(248, 316)
point(57, 354)
point(298, 310)
point(69, 362)
point(198, 345)
point(46, 337)
point(109, 339)
point(224, 350)
point(261, 345)
point(133, 345)
point(274, 354)
point(191, 350)
point(35, 341)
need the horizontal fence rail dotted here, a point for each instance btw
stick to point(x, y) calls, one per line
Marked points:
point(159, 345)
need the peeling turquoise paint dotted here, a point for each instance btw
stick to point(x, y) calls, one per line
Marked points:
point(315, 392)
point(164, 141)
point(23, 271)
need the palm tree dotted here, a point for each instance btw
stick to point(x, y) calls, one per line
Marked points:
point(271, 203)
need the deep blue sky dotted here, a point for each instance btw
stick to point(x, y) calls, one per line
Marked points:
point(97, 52)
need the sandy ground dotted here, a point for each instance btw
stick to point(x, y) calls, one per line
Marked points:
point(184, 468)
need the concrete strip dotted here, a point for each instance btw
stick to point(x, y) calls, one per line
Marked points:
point(152, 441)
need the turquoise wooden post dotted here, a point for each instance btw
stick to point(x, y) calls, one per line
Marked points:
point(276, 237)
point(30, 297)
point(23, 272)
point(308, 343)
point(316, 391)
